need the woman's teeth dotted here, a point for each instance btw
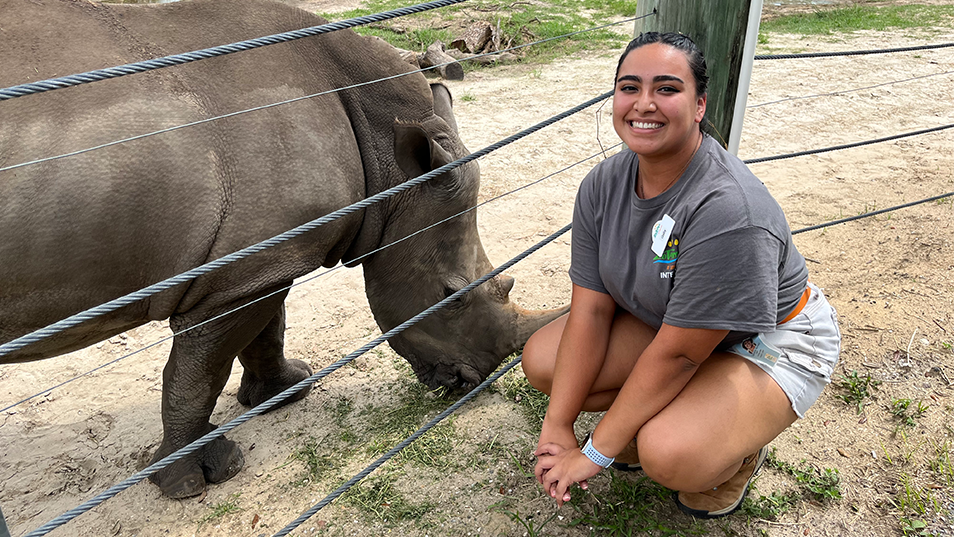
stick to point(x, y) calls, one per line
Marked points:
point(642, 125)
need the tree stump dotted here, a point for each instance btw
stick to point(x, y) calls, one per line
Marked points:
point(444, 64)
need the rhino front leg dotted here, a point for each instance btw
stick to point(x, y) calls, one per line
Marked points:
point(267, 372)
point(195, 375)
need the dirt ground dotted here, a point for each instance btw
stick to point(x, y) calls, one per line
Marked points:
point(890, 277)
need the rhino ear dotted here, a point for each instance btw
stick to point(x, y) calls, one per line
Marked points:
point(444, 104)
point(416, 153)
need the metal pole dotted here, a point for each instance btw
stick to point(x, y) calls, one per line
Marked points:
point(745, 75)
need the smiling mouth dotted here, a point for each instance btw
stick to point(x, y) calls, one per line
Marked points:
point(644, 125)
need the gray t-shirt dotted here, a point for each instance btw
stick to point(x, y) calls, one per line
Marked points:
point(729, 262)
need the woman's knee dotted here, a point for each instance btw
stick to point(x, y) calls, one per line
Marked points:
point(538, 362)
point(675, 463)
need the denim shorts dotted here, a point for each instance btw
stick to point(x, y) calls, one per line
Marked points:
point(802, 353)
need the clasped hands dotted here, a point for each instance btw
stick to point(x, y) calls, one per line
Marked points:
point(560, 464)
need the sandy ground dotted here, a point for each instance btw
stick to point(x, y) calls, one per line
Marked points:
point(890, 277)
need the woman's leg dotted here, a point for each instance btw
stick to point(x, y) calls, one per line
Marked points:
point(728, 410)
point(629, 337)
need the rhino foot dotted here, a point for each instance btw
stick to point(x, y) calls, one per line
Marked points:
point(219, 461)
point(255, 391)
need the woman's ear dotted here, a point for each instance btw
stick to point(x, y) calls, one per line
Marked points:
point(701, 108)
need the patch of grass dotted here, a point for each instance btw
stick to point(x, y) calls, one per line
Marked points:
point(856, 389)
point(914, 527)
point(225, 507)
point(467, 98)
point(317, 464)
point(630, 508)
point(515, 387)
point(769, 507)
point(519, 23)
point(388, 427)
point(941, 464)
point(906, 416)
point(377, 499)
point(529, 524)
point(819, 485)
point(859, 17)
point(913, 499)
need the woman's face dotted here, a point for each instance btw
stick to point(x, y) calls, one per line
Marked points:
point(656, 111)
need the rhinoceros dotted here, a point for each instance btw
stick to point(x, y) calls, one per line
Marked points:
point(76, 232)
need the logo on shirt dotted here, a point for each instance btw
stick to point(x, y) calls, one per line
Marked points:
point(668, 259)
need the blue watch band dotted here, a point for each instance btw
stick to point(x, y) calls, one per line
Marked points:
point(591, 453)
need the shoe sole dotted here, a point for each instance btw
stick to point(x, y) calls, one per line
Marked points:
point(626, 467)
point(763, 453)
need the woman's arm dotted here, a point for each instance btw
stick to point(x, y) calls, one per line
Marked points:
point(661, 372)
point(580, 355)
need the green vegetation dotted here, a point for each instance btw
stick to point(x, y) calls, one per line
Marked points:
point(769, 507)
point(388, 427)
point(905, 415)
point(515, 387)
point(317, 464)
point(811, 484)
point(529, 524)
point(519, 23)
point(377, 498)
point(941, 465)
point(632, 508)
point(225, 507)
point(856, 389)
point(861, 17)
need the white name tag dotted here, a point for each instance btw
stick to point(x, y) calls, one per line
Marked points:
point(661, 232)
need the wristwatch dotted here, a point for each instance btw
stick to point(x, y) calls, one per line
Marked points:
point(591, 453)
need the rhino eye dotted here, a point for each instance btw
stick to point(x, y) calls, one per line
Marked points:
point(448, 291)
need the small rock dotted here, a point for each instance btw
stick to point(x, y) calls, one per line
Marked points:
point(843, 453)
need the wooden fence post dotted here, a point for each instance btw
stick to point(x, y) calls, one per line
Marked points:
point(720, 28)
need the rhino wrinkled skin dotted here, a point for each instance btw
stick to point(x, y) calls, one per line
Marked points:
point(77, 232)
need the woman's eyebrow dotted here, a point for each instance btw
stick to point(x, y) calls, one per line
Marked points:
point(656, 79)
point(668, 78)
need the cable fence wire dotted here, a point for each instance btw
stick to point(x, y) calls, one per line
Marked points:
point(221, 50)
point(749, 161)
point(849, 52)
point(872, 213)
point(847, 146)
point(844, 92)
point(283, 396)
point(396, 449)
point(306, 280)
point(304, 97)
point(211, 266)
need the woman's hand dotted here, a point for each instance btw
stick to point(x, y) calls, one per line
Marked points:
point(554, 439)
point(563, 468)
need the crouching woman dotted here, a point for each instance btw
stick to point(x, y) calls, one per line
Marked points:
point(692, 320)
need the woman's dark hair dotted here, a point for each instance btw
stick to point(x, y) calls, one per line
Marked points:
point(697, 62)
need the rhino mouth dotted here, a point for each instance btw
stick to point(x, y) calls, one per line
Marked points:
point(453, 376)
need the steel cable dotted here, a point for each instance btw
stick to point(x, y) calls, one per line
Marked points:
point(395, 450)
point(281, 397)
point(849, 52)
point(178, 59)
point(872, 213)
point(311, 96)
point(306, 280)
point(437, 419)
point(190, 275)
point(843, 92)
point(847, 146)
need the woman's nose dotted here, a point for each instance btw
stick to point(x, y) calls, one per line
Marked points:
point(645, 104)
